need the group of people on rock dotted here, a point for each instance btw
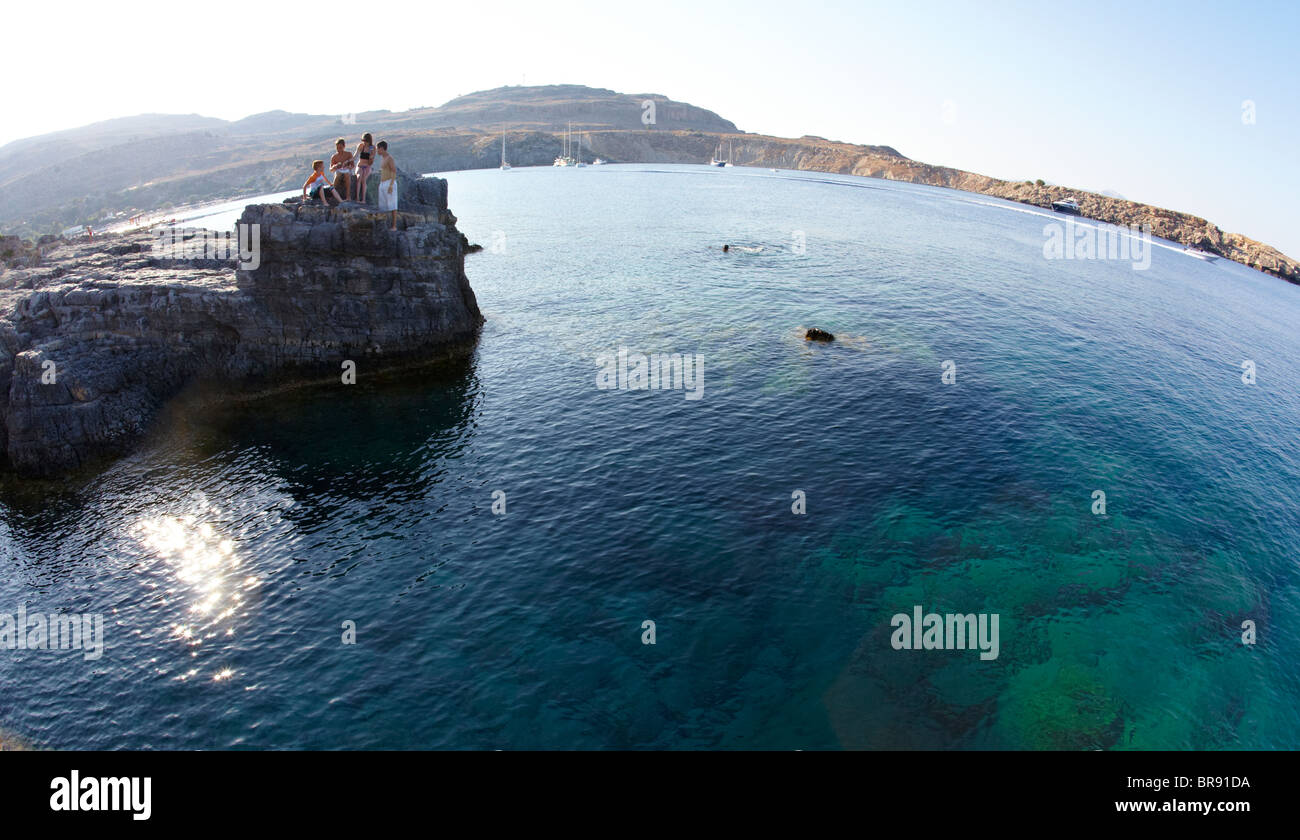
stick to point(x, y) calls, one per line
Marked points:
point(345, 180)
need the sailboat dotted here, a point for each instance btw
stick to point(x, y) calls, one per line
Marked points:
point(717, 156)
point(566, 157)
point(578, 153)
point(504, 165)
point(563, 159)
point(728, 161)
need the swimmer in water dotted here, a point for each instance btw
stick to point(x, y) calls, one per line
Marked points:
point(726, 248)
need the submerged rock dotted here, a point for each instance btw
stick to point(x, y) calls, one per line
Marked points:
point(11, 742)
point(100, 335)
point(815, 334)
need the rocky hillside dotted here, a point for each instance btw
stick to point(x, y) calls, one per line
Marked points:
point(553, 107)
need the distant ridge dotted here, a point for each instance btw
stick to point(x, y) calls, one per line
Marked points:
point(108, 133)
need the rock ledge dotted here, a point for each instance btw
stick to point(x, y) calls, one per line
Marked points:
point(95, 337)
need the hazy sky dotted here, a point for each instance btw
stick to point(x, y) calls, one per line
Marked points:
point(1142, 98)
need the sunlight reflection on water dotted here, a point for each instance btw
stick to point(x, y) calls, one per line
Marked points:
point(202, 569)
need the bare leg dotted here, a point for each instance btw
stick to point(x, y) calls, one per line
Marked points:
point(393, 215)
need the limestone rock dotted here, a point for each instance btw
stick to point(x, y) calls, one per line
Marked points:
point(99, 335)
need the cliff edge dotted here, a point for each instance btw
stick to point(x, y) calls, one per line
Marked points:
point(95, 337)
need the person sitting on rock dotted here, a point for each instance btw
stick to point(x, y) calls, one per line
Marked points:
point(341, 165)
point(319, 185)
point(388, 184)
point(365, 160)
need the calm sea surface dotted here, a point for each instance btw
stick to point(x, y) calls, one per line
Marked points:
point(228, 554)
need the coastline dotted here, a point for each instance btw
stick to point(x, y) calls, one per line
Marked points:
point(867, 161)
point(470, 149)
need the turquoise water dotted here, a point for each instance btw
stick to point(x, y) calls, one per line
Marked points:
point(227, 554)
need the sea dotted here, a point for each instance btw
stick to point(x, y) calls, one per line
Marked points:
point(526, 549)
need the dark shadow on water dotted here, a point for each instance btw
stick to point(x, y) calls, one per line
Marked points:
point(377, 439)
point(380, 436)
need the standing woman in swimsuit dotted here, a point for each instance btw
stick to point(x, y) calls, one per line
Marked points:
point(365, 160)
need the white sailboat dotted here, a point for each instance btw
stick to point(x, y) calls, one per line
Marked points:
point(563, 159)
point(504, 165)
point(578, 153)
point(718, 159)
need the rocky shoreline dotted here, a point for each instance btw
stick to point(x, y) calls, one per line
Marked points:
point(97, 337)
point(472, 150)
point(816, 154)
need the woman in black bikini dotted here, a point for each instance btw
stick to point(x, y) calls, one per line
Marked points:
point(365, 159)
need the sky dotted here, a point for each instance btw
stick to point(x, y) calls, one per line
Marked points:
point(1191, 106)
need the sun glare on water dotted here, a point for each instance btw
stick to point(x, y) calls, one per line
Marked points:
point(201, 572)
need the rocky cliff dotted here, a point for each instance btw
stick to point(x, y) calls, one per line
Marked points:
point(95, 337)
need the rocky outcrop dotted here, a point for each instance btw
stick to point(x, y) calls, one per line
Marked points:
point(100, 335)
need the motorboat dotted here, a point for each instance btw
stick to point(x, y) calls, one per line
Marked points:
point(1067, 205)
